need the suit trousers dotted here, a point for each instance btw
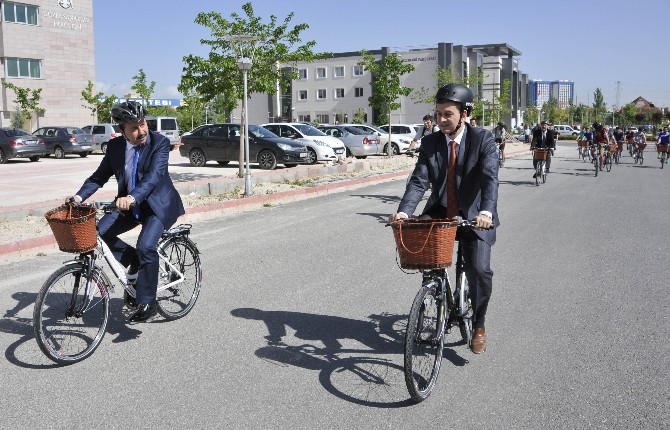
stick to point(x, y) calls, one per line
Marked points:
point(144, 256)
point(477, 259)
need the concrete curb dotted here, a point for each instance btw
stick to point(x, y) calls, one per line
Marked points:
point(48, 243)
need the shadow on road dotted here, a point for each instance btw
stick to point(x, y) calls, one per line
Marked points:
point(368, 375)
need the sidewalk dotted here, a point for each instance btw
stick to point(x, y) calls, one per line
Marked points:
point(325, 180)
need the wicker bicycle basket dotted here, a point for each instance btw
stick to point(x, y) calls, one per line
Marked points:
point(425, 244)
point(540, 154)
point(641, 146)
point(612, 147)
point(73, 227)
point(663, 148)
point(582, 143)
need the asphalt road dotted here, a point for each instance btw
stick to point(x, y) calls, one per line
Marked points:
point(299, 323)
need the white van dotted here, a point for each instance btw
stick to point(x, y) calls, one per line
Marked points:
point(165, 125)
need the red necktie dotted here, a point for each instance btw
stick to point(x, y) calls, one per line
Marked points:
point(452, 200)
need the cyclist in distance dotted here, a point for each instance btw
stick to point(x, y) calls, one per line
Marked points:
point(543, 138)
point(469, 188)
point(499, 134)
point(619, 135)
point(663, 139)
point(139, 161)
point(600, 138)
point(427, 129)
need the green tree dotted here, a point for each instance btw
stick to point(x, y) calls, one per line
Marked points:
point(500, 103)
point(27, 100)
point(18, 118)
point(531, 116)
point(359, 116)
point(141, 87)
point(276, 44)
point(599, 106)
point(627, 114)
point(99, 104)
point(386, 87)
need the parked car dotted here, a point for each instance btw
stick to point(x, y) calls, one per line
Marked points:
point(399, 144)
point(67, 140)
point(196, 128)
point(165, 125)
point(221, 143)
point(17, 143)
point(103, 133)
point(407, 131)
point(359, 144)
point(320, 146)
point(566, 130)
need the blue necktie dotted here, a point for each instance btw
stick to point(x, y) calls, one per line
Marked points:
point(133, 179)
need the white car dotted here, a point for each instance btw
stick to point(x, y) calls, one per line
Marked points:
point(407, 131)
point(399, 143)
point(320, 146)
point(566, 130)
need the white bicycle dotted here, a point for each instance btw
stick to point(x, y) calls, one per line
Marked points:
point(72, 307)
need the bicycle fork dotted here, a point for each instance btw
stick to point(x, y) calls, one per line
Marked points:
point(92, 283)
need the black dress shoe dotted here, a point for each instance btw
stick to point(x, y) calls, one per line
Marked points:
point(144, 312)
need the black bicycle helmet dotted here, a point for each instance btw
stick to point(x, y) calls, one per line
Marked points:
point(456, 93)
point(128, 111)
point(597, 126)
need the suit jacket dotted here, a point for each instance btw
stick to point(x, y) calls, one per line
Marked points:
point(154, 187)
point(476, 176)
point(550, 142)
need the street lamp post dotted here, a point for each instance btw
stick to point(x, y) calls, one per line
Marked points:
point(244, 46)
point(483, 109)
point(245, 64)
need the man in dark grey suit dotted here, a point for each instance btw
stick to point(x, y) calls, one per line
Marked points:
point(468, 189)
point(146, 196)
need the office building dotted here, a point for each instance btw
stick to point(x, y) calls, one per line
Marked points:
point(47, 45)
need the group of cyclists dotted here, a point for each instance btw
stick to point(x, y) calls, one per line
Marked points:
point(599, 136)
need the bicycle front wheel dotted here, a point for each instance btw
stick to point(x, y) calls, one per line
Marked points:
point(608, 163)
point(424, 341)
point(71, 313)
point(176, 296)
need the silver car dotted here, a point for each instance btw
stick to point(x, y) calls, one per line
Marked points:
point(60, 141)
point(103, 133)
point(359, 144)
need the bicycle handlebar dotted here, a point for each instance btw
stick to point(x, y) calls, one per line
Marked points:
point(462, 223)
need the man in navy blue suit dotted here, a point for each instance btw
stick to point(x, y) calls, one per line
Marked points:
point(467, 188)
point(146, 196)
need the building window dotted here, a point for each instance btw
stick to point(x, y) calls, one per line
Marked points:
point(323, 118)
point(358, 70)
point(320, 72)
point(339, 93)
point(339, 71)
point(304, 118)
point(302, 74)
point(302, 95)
point(20, 13)
point(320, 94)
point(358, 91)
point(23, 68)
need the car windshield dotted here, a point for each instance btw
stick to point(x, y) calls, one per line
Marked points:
point(74, 130)
point(369, 128)
point(308, 130)
point(258, 131)
point(16, 132)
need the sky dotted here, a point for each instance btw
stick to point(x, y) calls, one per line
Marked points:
point(618, 46)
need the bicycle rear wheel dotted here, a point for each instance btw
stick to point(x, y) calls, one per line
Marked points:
point(424, 341)
point(175, 301)
point(70, 323)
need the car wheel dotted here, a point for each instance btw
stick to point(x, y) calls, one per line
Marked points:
point(361, 157)
point(267, 160)
point(197, 158)
point(3, 157)
point(311, 156)
point(83, 154)
point(394, 148)
point(34, 158)
point(103, 148)
point(222, 162)
point(59, 153)
point(349, 154)
point(290, 165)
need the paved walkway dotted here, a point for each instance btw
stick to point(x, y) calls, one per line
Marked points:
point(36, 196)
